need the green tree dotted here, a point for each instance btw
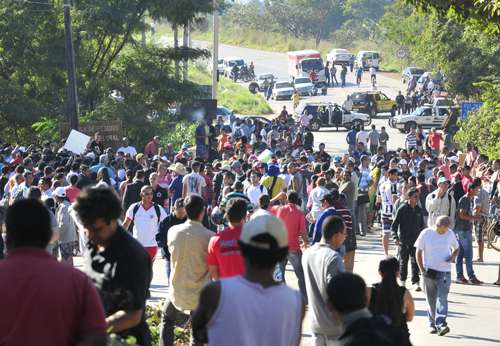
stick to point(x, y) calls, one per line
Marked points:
point(482, 127)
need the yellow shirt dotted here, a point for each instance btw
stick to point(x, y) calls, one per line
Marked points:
point(188, 246)
point(278, 186)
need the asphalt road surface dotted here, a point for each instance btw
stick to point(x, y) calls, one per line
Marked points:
point(276, 63)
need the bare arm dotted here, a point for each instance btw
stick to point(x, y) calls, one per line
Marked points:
point(420, 261)
point(184, 190)
point(409, 305)
point(123, 320)
point(209, 300)
point(127, 223)
point(213, 271)
point(464, 216)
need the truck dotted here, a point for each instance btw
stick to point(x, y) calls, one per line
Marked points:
point(302, 62)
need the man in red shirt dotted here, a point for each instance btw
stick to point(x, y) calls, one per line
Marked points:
point(224, 257)
point(435, 139)
point(466, 178)
point(151, 148)
point(295, 221)
point(44, 302)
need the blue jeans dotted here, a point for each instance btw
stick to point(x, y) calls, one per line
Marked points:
point(295, 259)
point(465, 252)
point(436, 294)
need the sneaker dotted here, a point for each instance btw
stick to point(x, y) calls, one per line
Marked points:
point(433, 330)
point(462, 281)
point(475, 281)
point(416, 287)
point(444, 330)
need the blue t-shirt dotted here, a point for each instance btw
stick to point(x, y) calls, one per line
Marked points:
point(319, 223)
point(176, 187)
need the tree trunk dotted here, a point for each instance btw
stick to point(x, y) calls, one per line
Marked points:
point(185, 43)
point(318, 37)
point(176, 46)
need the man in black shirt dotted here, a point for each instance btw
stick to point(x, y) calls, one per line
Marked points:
point(160, 195)
point(117, 264)
point(176, 217)
point(132, 192)
point(406, 228)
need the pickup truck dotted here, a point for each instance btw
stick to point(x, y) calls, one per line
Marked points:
point(427, 116)
point(328, 114)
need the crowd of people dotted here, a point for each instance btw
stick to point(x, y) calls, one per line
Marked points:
point(228, 216)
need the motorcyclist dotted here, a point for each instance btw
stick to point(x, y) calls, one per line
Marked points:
point(251, 69)
point(244, 72)
point(234, 72)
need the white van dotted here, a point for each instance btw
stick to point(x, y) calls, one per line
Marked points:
point(368, 58)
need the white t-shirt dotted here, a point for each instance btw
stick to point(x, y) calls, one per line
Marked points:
point(146, 223)
point(195, 183)
point(128, 150)
point(437, 248)
point(253, 193)
point(362, 136)
point(373, 71)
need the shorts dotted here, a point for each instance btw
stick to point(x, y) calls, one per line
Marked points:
point(386, 225)
point(479, 229)
point(151, 250)
point(67, 250)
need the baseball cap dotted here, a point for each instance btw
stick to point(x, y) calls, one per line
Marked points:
point(236, 165)
point(403, 162)
point(264, 224)
point(60, 192)
point(443, 180)
point(139, 156)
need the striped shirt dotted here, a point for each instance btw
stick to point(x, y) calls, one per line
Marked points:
point(411, 140)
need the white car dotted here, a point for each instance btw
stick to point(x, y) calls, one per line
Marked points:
point(427, 116)
point(338, 56)
point(282, 90)
point(304, 86)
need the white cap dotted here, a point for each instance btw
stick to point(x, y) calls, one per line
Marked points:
point(453, 158)
point(403, 162)
point(60, 192)
point(264, 224)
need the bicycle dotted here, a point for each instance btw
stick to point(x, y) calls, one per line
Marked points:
point(492, 230)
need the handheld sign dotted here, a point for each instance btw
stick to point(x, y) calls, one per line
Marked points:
point(76, 142)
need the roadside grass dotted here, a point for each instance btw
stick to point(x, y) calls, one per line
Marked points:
point(231, 95)
point(281, 43)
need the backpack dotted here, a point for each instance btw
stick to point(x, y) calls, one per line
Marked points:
point(136, 209)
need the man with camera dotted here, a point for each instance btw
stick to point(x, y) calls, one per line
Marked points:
point(437, 248)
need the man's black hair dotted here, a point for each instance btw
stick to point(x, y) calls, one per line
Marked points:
point(262, 258)
point(28, 224)
point(139, 174)
point(194, 205)
point(73, 179)
point(347, 293)
point(236, 210)
point(264, 201)
point(293, 197)
point(97, 203)
point(473, 186)
point(331, 226)
point(421, 178)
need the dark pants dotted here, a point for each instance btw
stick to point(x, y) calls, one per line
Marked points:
point(400, 109)
point(405, 252)
point(170, 318)
point(334, 78)
point(327, 76)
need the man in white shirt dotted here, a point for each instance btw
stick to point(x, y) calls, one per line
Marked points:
point(146, 217)
point(127, 149)
point(362, 136)
point(437, 248)
point(193, 183)
point(255, 189)
point(388, 193)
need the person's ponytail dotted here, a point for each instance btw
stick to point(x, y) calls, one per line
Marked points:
point(388, 300)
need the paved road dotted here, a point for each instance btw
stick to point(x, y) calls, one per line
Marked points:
point(276, 63)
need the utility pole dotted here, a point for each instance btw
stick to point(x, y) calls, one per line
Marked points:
point(215, 53)
point(72, 103)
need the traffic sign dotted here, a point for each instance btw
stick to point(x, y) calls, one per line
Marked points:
point(402, 52)
point(467, 107)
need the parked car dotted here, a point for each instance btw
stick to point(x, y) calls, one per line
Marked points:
point(258, 84)
point(304, 86)
point(373, 103)
point(224, 112)
point(328, 114)
point(428, 116)
point(368, 59)
point(282, 90)
point(229, 62)
point(410, 72)
point(338, 56)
